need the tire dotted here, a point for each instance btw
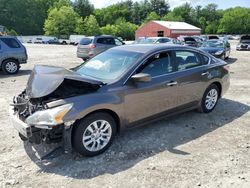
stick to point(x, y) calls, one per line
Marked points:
point(10, 66)
point(213, 92)
point(86, 137)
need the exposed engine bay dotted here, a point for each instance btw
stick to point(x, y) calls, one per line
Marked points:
point(35, 98)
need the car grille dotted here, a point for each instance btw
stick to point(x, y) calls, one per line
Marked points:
point(23, 106)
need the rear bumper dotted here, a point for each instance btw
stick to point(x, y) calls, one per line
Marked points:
point(225, 84)
point(82, 55)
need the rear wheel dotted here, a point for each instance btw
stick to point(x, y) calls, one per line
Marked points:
point(210, 99)
point(10, 66)
point(94, 134)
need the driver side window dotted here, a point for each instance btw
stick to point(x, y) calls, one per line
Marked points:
point(157, 65)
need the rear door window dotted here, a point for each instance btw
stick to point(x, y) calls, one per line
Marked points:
point(86, 41)
point(185, 60)
point(10, 42)
point(108, 41)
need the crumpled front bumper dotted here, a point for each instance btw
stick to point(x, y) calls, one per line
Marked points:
point(23, 128)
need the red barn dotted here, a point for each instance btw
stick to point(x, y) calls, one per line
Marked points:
point(166, 29)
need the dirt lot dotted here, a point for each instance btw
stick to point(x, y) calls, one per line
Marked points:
point(188, 150)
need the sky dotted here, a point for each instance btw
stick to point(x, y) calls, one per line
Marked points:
point(222, 4)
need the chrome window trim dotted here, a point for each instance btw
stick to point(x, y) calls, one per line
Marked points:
point(169, 50)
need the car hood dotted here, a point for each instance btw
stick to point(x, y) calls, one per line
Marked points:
point(46, 79)
point(211, 49)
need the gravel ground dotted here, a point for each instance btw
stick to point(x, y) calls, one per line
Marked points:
point(188, 150)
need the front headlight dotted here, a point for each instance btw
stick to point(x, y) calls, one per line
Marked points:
point(219, 52)
point(49, 117)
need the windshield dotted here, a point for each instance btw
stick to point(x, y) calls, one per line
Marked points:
point(214, 44)
point(108, 65)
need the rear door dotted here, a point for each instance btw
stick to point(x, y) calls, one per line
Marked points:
point(189, 76)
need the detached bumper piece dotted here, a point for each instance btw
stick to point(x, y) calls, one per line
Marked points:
point(36, 135)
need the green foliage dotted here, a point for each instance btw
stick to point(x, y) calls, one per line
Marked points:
point(184, 13)
point(60, 3)
point(152, 16)
point(90, 26)
point(26, 17)
point(83, 7)
point(172, 17)
point(61, 21)
point(121, 28)
point(65, 17)
point(12, 32)
point(160, 7)
point(126, 30)
point(109, 30)
point(235, 21)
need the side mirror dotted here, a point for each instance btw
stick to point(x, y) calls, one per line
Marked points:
point(141, 77)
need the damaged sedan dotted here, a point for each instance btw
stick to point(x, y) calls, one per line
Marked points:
point(123, 87)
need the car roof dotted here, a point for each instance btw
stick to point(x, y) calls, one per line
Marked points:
point(146, 48)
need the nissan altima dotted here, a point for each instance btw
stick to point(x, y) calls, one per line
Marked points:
point(126, 86)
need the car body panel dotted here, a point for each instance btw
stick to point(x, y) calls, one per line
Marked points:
point(135, 103)
point(244, 43)
point(19, 54)
point(93, 48)
point(226, 49)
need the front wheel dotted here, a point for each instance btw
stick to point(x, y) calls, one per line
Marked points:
point(210, 99)
point(94, 134)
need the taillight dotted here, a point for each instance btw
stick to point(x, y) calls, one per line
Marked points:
point(226, 67)
point(92, 46)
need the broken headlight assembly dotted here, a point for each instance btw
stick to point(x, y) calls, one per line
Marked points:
point(49, 117)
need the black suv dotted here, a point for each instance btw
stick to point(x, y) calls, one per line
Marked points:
point(12, 54)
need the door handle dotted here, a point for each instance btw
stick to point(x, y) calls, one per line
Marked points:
point(204, 73)
point(172, 83)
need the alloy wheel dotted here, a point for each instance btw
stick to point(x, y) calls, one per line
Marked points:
point(97, 135)
point(211, 99)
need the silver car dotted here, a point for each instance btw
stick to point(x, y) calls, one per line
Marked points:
point(91, 46)
point(12, 54)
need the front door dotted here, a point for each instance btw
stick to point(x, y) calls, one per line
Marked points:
point(143, 100)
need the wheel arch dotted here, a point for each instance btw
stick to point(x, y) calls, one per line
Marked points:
point(9, 58)
point(219, 85)
point(108, 111)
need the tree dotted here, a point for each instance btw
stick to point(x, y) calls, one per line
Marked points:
point(90, 26)
point(126, 30)
point(109, 30)
point(12, 32)
point(26, 17)
point(61, 21)
point(185, 12)
point(235, 21)
point(152, 16)
point(83, 7)
point(172, 17)
point(160, 7)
